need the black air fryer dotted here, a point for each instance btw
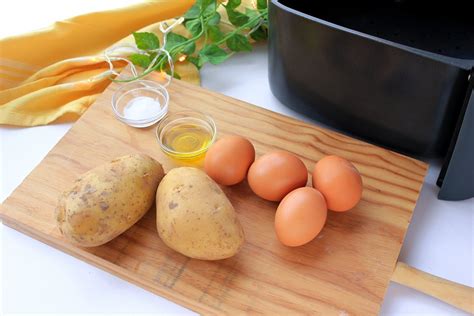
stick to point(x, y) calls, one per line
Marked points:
point(397, 74)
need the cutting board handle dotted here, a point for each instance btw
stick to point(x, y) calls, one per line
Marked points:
point(458, 295)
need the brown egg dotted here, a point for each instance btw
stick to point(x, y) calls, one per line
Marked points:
point(229, 159)
point(339, 181)
point(276, 174)
point(300, 216)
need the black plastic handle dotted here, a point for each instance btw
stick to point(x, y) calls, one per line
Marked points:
point(456, 179)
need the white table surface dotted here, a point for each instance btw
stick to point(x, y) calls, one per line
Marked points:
point(38, 278)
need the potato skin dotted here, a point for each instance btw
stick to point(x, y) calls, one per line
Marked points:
point(107, 200)
point(194, 216)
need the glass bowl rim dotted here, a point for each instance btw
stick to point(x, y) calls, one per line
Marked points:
point(190, 114)
point(149, 85)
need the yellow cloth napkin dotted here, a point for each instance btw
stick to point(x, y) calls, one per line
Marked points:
point(43, 77)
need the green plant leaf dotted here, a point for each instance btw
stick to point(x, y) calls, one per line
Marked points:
point(152, 56)
point(252, 14)
point(209, 7)
point(193, 12)
point(189, 48)
point(236, 18)
point(214, 33)
point(232, 4)
point(214, 19)
point(196, 61)
point(205, 3)
point(238, 43)
point(173, 40)
point(259, 34)
point(140, 60)
point(194, 26)
point(146, 40)
point(261, 4)
point(214, 54)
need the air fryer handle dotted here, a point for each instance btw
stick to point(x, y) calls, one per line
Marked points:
point(456, 179)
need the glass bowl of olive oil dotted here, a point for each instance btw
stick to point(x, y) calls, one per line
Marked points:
point(186, 135)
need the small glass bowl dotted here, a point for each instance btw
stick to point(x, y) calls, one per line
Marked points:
point(192, 127)
point(140, 103)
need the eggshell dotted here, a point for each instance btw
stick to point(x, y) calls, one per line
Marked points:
point(229, 159)
point(276, 174)
point(339, 181)
point(300, 216)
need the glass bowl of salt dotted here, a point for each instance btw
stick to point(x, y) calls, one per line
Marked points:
point(140, 103)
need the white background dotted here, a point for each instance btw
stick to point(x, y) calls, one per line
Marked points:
point(36, 278)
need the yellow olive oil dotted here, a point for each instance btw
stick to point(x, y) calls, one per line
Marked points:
point(187, 140)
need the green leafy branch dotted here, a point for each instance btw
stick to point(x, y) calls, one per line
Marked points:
point(202, 21)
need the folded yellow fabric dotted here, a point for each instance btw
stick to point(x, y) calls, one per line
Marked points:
point(43, 77)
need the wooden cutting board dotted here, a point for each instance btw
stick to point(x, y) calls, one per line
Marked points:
point(344, 271)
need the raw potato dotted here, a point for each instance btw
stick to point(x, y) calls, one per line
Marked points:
point(195, 218)
point(107, 200)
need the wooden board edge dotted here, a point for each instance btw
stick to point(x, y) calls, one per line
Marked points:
point(394, 265)
point(109, 267)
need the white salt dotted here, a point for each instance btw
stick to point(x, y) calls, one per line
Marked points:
point(140, 108)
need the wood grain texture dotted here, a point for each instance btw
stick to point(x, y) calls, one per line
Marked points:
point(345, 271)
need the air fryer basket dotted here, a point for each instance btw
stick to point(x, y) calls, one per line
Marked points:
point(394, 73)
point(440, 29)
